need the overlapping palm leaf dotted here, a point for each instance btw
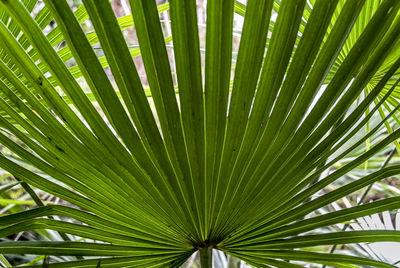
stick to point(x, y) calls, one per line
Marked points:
point(219, 167)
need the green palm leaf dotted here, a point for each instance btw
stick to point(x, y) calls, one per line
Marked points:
point(227, 153)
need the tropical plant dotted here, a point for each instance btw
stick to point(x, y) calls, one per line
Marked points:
point(384, 251)
point(214, 165)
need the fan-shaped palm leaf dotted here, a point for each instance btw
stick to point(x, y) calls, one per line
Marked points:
point(228, 168)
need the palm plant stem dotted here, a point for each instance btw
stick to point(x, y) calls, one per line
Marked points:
point(206, 257)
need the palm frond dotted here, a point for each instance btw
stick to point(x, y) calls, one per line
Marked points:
point(228, 152)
